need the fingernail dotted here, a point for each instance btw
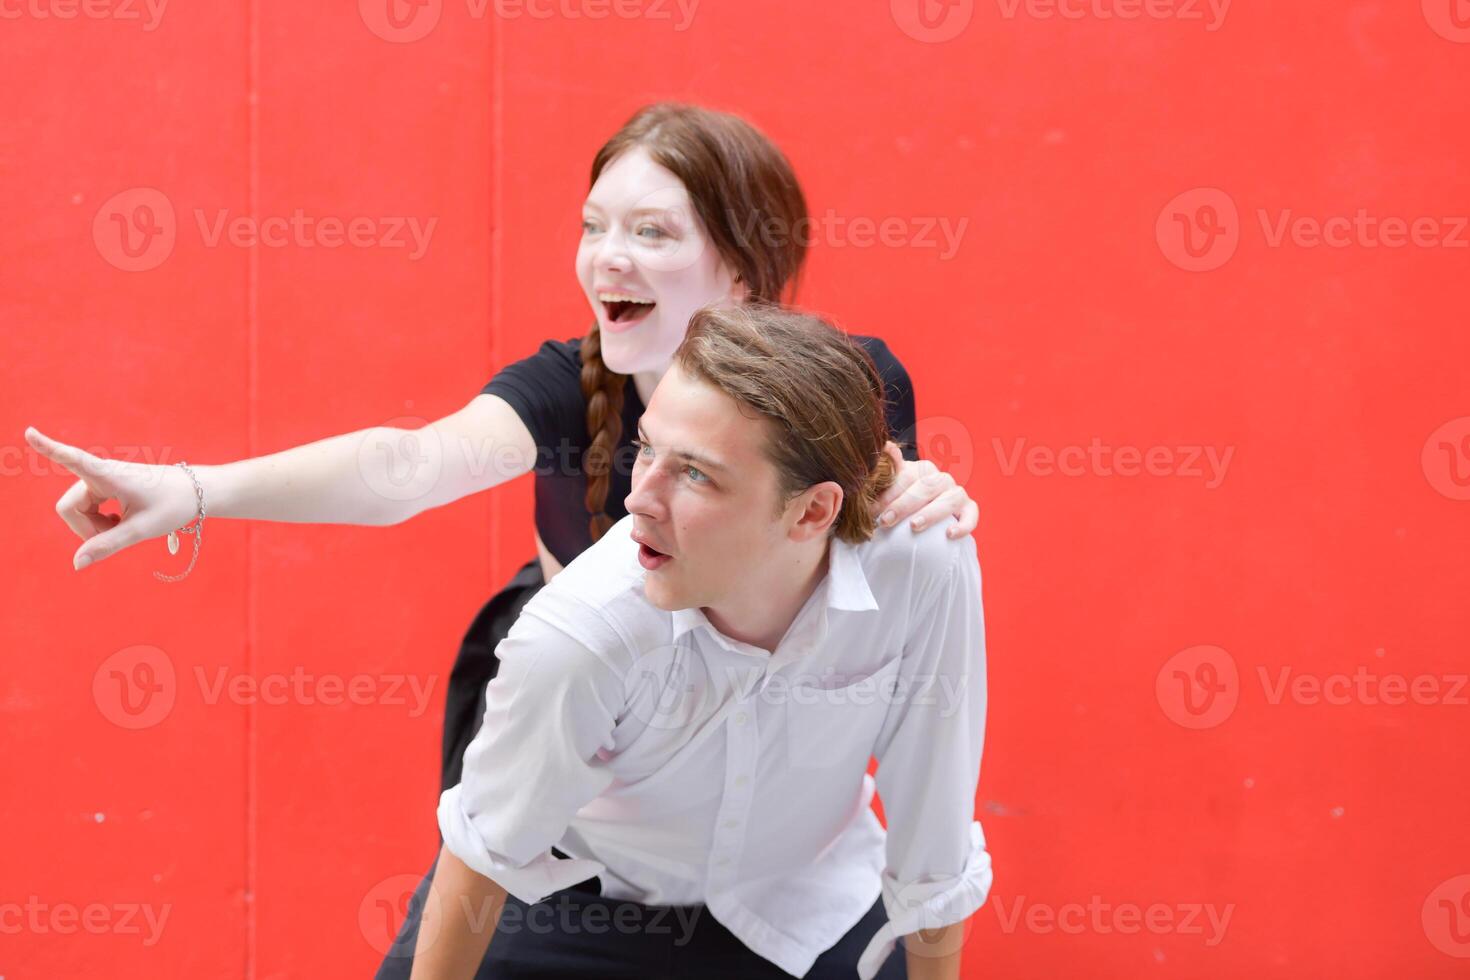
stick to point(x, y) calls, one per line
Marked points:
point(83, 562)
point(889, 517)
point(918, 524)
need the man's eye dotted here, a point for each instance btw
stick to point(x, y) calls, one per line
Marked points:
point(702, 477)
point(588, 226)
point(639, 445)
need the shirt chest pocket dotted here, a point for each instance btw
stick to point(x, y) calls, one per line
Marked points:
point(834, 721)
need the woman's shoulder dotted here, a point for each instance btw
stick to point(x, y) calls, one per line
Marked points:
point(553, 357)
point(879, 351)
point(545, 389)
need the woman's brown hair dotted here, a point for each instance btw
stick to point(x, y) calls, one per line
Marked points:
point(739, 182)
point(818, 389)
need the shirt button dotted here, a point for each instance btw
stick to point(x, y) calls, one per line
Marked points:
point(741, 780)
point(740, 718)
point(732, 824)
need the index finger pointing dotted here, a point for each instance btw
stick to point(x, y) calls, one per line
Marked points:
point(78, 461)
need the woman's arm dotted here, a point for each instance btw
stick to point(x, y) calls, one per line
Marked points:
point(376, 476)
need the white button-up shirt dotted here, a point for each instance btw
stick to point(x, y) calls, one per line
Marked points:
point(683, 767)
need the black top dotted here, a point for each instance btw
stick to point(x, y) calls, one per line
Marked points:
point(546, 392)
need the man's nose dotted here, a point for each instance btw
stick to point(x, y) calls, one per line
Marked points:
point(646, 497)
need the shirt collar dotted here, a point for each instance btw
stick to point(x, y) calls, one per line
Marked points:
point(844, 587)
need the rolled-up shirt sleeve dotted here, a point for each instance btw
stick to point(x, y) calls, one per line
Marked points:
point(537, 759)
point(937, 867)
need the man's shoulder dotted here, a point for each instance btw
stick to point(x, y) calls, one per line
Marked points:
point(598, 600)
point(899, 558)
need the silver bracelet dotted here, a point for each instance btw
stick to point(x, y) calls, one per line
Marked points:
point(194, 527)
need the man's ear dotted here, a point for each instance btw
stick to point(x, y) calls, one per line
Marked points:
point(817, 509)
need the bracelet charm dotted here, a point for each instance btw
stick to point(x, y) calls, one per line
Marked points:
point(194, 527)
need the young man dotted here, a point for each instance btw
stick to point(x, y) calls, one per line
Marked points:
point(687, 711)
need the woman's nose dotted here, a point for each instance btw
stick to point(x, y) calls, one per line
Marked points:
point(612, 252)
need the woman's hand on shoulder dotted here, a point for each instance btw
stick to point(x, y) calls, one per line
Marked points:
point(924, 494)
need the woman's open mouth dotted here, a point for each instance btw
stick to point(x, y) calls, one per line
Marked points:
point(624, 309)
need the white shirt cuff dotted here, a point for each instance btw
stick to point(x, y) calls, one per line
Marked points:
point(929, 904)
point(529, 882)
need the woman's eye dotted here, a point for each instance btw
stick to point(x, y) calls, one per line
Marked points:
point(655, 230)
point(588, 226)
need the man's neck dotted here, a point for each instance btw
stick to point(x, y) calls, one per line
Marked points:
point(762, 616)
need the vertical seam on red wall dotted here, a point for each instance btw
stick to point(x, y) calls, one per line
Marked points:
point(252, 378)
point(497, 216)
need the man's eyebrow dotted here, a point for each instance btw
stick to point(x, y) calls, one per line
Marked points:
point(693, 455)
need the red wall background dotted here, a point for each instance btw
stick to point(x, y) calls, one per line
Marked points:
point(1140, 753)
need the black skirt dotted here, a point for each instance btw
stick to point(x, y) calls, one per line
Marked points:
point(464, 700)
